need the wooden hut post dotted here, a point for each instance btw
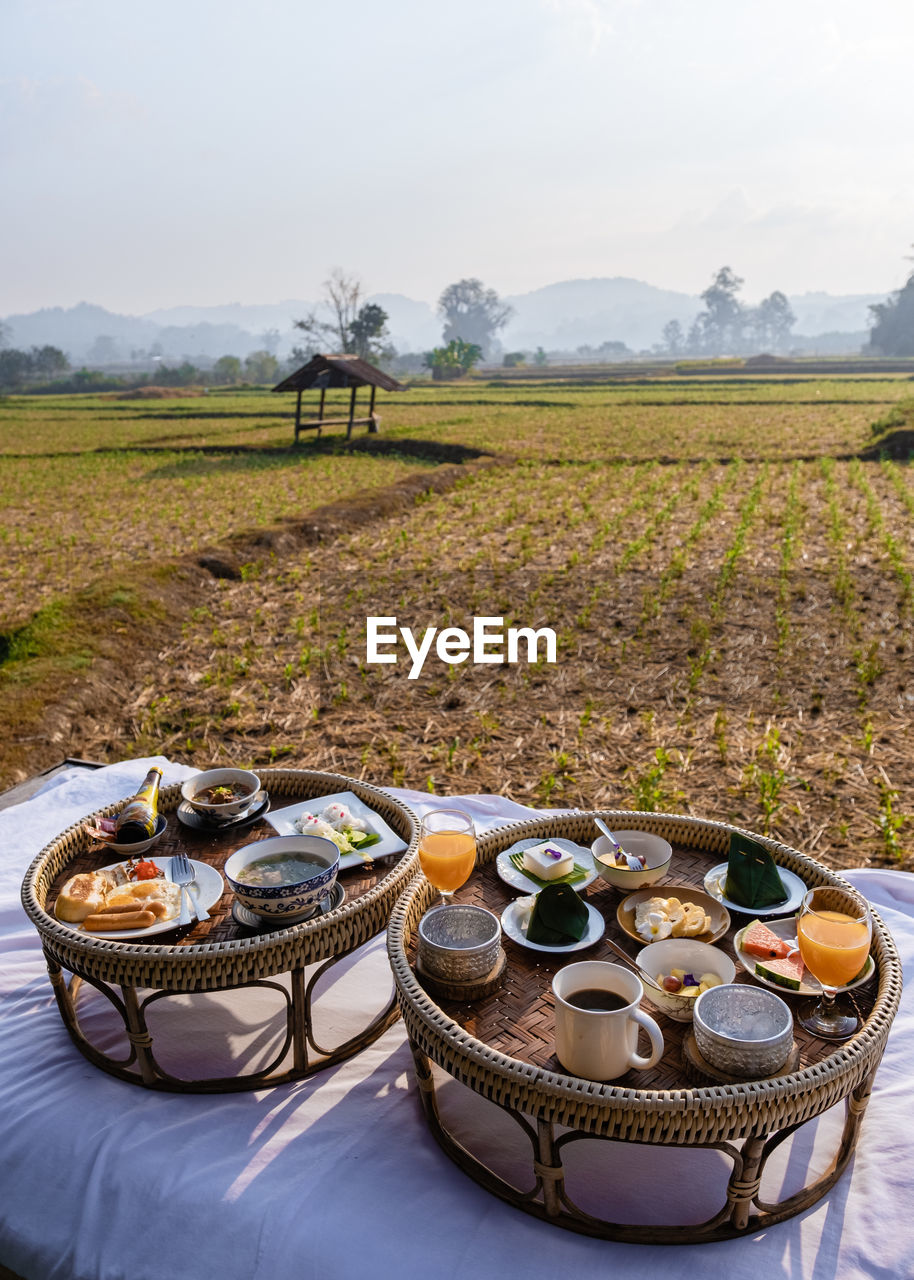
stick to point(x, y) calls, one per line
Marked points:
point(351, 411)
point(372, 424)
point(320, 412)
point(298, 415)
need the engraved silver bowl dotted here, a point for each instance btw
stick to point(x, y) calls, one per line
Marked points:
point(458, 942)
point(743, 1030)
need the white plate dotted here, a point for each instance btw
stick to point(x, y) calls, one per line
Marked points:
point(283, 821)
point(511, 918)
point(518, 880)
point(809, 986)
point(796, 889)
point(208, 889)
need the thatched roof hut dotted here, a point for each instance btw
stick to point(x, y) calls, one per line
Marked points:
point(323, 372)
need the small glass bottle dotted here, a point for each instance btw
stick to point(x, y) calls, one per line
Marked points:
point(137, 820)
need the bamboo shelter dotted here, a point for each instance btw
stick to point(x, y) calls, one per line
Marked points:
point(323, 372)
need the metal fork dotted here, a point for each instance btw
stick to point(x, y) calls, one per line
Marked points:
point(182, 873)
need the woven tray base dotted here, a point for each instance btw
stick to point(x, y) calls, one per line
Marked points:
point(462, 991)
point(700, 1070)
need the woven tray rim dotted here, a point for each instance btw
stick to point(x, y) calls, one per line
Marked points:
point(316, 938)
point(587, 1104)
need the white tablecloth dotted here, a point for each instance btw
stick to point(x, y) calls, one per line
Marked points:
point(337, 1176)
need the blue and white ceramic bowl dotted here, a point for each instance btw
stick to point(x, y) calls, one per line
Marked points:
point(289, 902)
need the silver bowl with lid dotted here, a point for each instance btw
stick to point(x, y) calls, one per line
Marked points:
point(743, 1030)
point(459, 942)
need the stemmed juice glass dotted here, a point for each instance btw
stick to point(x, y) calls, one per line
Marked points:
point(834, 928)
point(447, 849)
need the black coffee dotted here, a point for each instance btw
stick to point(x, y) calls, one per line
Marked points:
point(596, 998)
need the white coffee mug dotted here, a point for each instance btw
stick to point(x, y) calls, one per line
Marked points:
point(595, 1043)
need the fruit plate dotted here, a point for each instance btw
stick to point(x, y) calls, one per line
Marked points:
point(796, 889)
point(283, 821)
point(809, 986)
point(519, 880)
point(720, 916)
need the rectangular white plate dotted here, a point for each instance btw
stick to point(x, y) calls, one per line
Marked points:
point(283, 822)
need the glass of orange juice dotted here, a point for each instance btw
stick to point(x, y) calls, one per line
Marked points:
point(447, 849)
point(834, 928)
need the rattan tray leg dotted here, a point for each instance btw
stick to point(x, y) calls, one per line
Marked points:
point(745, 1180)
point(548, 1168)
point(301, 1021)
point(66, 994)
point(138, 1034)
point(378, 1025)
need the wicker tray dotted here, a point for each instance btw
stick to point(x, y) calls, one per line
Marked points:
point(218, 954)
point(502, 1047)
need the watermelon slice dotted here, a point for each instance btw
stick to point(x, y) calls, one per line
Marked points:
point(758, 940)
point(786, 973)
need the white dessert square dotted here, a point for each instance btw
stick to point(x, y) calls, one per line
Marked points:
point(548, 861)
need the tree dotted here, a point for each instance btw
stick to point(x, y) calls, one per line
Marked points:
point(369, 334)
point(48, 361)
point(473, 313)
point(719, 328)
point(15, 368)
point(348, 325)
point(673, 338)
point(454, 360)
point(104, 350)
point(261, 366)
point(227, 370)
point(892, 332)
point(771, 321)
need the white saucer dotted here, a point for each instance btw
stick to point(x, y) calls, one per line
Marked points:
point(267, 924)
point(518, 880)
point(796, 889)
point(512, 916)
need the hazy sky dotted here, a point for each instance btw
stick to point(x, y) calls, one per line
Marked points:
point(211, 151)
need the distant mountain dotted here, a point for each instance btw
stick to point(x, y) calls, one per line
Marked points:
point(413, 325)
point(589, 312)
point(824, 313)
point(558, 317)
point(90, 333)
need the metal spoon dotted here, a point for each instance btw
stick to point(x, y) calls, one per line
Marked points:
point(642, 973)
point(633, 863)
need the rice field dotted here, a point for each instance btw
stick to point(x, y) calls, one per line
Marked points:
point(90, 482)
point(729, 585)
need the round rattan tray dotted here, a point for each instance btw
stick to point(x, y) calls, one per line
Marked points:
point(219, 954)
point(502, 1049)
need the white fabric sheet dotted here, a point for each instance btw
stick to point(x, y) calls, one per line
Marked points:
point(337, 1176)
